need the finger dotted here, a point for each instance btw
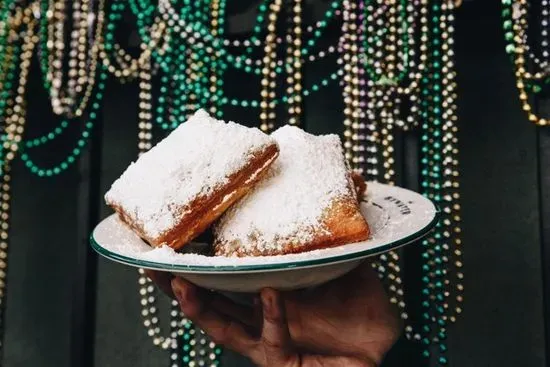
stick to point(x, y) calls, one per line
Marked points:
point(257, 310)
point(222, 330)
point(162, 280)
point(275, 334)
point(366, 270)
point(243, 314)
point(366, 275)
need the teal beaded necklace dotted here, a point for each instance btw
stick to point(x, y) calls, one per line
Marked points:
point(73, 155)
point(436, 103)
point(43, 44)
point(188, 21)
point(144, 15)
point(440, 183)
point(197, 81)
point(205, 95)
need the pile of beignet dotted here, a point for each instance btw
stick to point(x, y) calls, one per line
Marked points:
point(261, 194)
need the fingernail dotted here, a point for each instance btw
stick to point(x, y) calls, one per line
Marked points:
point(180, 290)
point(268, 303)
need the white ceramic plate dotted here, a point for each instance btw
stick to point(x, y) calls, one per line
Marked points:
point(396, 217)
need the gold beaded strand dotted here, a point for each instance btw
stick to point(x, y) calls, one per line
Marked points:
point(83, 78)
point(214, 29)
point(129, 67)
point(14, 129)
point(81, 73)
point(77, 61)
point(451, 172)
point(522, 75)
point(348, 59)
point(269, 77)
point(294, 63)
point(384, 111)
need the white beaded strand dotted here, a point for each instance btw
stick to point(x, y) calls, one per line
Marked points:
point(147, 289)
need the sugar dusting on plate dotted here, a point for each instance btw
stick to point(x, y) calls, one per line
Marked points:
point(195, 159)
point(387, 224)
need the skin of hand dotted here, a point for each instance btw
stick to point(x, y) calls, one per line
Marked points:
point(346, 322)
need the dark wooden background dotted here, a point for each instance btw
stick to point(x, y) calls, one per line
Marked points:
point(68, 308)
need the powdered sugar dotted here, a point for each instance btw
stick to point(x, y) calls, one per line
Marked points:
point(386, 219)
point(194, 160)
point(288, 204)
point(167, 255)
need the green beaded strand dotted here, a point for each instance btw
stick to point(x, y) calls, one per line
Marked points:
point(373, 75)
point(187, 18)
point(196, 89)
point(435, 261)
point(81, 143)
point(43, 49)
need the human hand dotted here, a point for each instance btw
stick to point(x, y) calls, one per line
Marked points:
point(346, 322)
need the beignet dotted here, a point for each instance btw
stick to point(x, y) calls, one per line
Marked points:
point(306, 201)
point(177, 189)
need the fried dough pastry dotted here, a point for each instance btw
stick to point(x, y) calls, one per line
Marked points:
point(306, 201)
point(360, 185)
point(177, 189)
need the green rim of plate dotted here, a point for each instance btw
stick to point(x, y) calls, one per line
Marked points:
point(270, 267)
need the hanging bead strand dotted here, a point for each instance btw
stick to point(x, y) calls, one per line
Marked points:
point(355, 87)
point(294, 62)
point(450, 174)
point(515, 23)
point(373, 157)
point(345, 59)
point(147, 289)
point(13, 130)
point(268, 83)
point(364, 154)
point(544, 25)
point(216, 78)
point(82, 61)
point(383, 87)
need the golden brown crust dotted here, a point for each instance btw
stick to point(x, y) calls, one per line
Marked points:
point(359, 184)
point(206, 209)
point(343, 223)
